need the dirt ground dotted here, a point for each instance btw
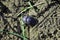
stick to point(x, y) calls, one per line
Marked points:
point(47, 12)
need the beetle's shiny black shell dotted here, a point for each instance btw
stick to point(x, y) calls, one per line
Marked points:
point(25, 0)
point(30, 20)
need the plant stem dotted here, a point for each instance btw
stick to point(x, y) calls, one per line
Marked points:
point(22, 27)
point(14, 34)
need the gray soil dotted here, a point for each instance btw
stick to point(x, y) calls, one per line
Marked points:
point(47, 12)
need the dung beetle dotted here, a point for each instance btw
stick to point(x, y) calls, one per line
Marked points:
point(25, 0)
point(30, 20)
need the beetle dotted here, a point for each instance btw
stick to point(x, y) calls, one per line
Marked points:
point(25, 0)
point(30, 20)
